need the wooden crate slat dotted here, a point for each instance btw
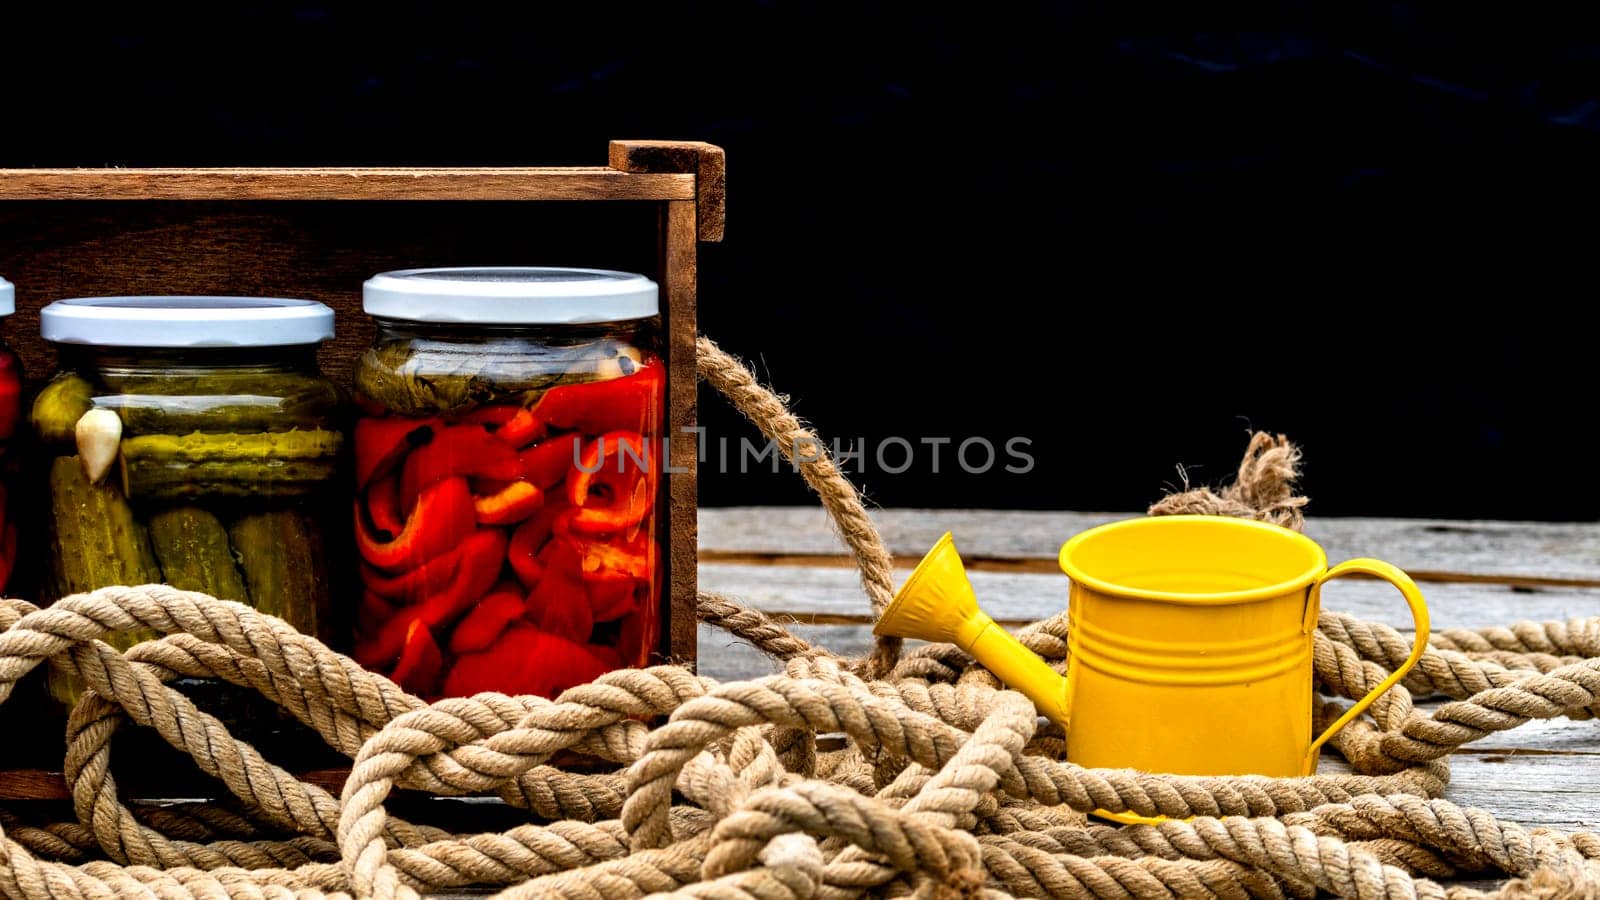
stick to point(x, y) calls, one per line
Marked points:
point(480, 183)
point(706, 161)
point(679, 267)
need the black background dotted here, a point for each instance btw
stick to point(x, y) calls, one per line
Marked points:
point(1128, 235)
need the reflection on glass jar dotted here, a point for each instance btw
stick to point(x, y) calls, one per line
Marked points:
point(10, 411)
point(191, 441)
point(508, 516)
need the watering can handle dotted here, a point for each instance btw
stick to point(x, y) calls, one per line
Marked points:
point(1419, 614)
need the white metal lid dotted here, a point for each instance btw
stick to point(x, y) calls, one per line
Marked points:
point(186, 322)
point(8, 298)
point(510, 295)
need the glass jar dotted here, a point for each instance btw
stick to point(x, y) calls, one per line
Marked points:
point(191, 441)
point(509, 512)
point(10, 411)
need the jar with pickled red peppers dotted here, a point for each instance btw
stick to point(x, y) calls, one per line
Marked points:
point(10, 412)
point(508, 511)
point(191, 441)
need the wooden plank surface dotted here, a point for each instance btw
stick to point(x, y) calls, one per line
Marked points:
point(1536, 553)
point(461, 183)
point(835, 594)
point(1476, 574)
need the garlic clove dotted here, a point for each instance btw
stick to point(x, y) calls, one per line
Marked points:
point(617, 361)
point(99, 436)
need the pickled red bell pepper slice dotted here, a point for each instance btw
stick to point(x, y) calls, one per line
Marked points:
point(369, 407)
point(530, 538)
point(607, 655)
point(492, 417)
point(415, 583)
point(543, 464)
point(372, 612)
point(559, 603)
point(564, 611)
point(10, 396)
point(482, 554)
point(524, 557)
point(420, 661)
point(521, 429)
point(525, 660)
point(613, 485)
point(635, 639)
point(442, 516)
point(549, 461)
point(383, 505)
point(457, 450)
point(612, 573)
point(630, 559)
point(609, 597)
point(629, 403)
point(509, 505)
point(488, 619)
point(8, 553)
point(381, 443)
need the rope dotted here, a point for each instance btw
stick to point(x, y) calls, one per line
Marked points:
point(909, 774)
point(1263, 489)
point(770, 413)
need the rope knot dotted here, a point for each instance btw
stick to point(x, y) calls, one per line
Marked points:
point(1263, 489)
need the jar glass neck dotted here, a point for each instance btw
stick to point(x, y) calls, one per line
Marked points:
point(296, 357)
point(560, 333)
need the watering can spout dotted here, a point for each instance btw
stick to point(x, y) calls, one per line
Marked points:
point(937, 604)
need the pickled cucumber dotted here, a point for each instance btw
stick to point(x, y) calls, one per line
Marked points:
point(281, 555)
point(167, 481)
point(192, 547)
point(269, 407)
point(97, 544)
point(209, 382)
point(59, 406)
point(287, 463)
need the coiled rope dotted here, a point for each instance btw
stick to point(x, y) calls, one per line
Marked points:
point(940, 782)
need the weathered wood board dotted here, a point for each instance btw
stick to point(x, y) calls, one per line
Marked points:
point(834, 596)
point(1524, 552)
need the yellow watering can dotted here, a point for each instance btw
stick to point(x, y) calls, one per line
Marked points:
point(1189, 643)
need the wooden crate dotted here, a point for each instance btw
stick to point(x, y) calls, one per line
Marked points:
point(319, 233)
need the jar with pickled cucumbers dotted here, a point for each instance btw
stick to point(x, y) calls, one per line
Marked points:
point(10, 412)
point(508, 511)
point(191, 441)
